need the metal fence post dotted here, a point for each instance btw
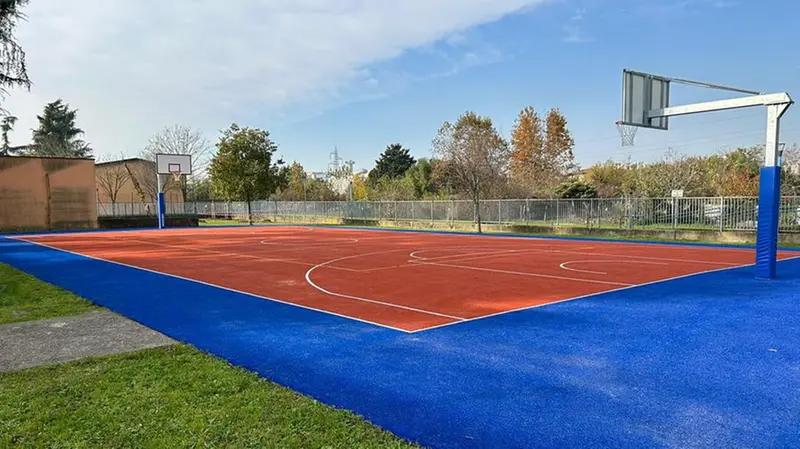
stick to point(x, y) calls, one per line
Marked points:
point(527, 211)
point(558, 210)
point(722, 214)
point(674, 213)
point(431, 212)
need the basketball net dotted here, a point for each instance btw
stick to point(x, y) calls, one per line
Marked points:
point(176, 176)
point(626, 133)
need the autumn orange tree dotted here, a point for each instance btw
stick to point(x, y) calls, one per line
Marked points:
point(527, 145)
point(541, 151)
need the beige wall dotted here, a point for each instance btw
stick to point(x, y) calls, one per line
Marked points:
point(46, 193)
point(126, 191)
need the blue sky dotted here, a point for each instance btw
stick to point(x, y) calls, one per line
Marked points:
point(361, 74)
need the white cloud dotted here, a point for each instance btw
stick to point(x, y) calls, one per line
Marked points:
point(574, 35)
point(131, 67)
point(578, 15)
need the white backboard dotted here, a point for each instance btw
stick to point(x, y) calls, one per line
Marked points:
point(642, 92)
point(167, 164)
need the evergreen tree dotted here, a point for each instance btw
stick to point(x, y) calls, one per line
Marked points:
point(57, 134)
point(6, 126)
point(393, 163)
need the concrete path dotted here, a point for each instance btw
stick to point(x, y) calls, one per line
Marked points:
point(56, 340)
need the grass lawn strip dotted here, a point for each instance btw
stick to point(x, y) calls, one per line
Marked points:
point(169, 397)
point(25, 298)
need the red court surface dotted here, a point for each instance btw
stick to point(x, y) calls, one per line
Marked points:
point(402, 280)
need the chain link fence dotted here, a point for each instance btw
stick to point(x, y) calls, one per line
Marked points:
point(712, 214)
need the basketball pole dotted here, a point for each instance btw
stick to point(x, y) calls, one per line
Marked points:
point(769, 189)
point(162, 207)
point(769, 197)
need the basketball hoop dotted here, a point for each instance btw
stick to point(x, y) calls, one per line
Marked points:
point(175, 171)
point(626, 133)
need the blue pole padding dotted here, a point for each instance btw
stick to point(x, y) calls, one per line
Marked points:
point(769, 198)
point(162, 211)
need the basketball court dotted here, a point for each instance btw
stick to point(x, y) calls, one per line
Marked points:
point(465, 340)
point(407, 281)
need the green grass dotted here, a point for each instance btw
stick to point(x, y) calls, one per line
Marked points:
point(221, 222)
point(171, 397)
point(25, 298)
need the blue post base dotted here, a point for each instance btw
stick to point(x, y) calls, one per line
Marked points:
point(769, 198)
point(162, 211)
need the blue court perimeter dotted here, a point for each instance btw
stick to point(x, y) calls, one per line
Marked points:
point(710, 360)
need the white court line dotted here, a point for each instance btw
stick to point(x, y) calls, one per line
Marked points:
point(358, 298)
point(301, 306)
point(521, 273)
point(228, 253)
point(415, 254)
point(565, 267)
point(536, 306)
point(295, 245)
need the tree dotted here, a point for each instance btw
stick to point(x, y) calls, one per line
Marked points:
point(296, 179)
point(735, 173)
point(673, 172)
point(319, 190)
point(790, 179)
point(611, 179)
point(393, 163)
point(13, 70)
point(243, 168)
point(394, 189)
point(178, 139)
point(541, 156)
point(576, 189)
point(6, 126)
point(199, 189)
point(527, 146)
point(111, 177)
point(57, 134)
point(421, 176)
point(475, 154)
point(558, 145)
point(360, 187)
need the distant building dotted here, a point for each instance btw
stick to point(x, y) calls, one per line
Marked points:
point(320, 175)
point(132, 181)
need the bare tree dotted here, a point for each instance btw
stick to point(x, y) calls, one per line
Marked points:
point(476, 156)
point(178, 139)
point(146, 180)
point(112, 177)
point(791, 155)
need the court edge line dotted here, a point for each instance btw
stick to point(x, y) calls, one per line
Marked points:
point(373, 301)
point(543, 237)
point(522, 309)
point(208, 284)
